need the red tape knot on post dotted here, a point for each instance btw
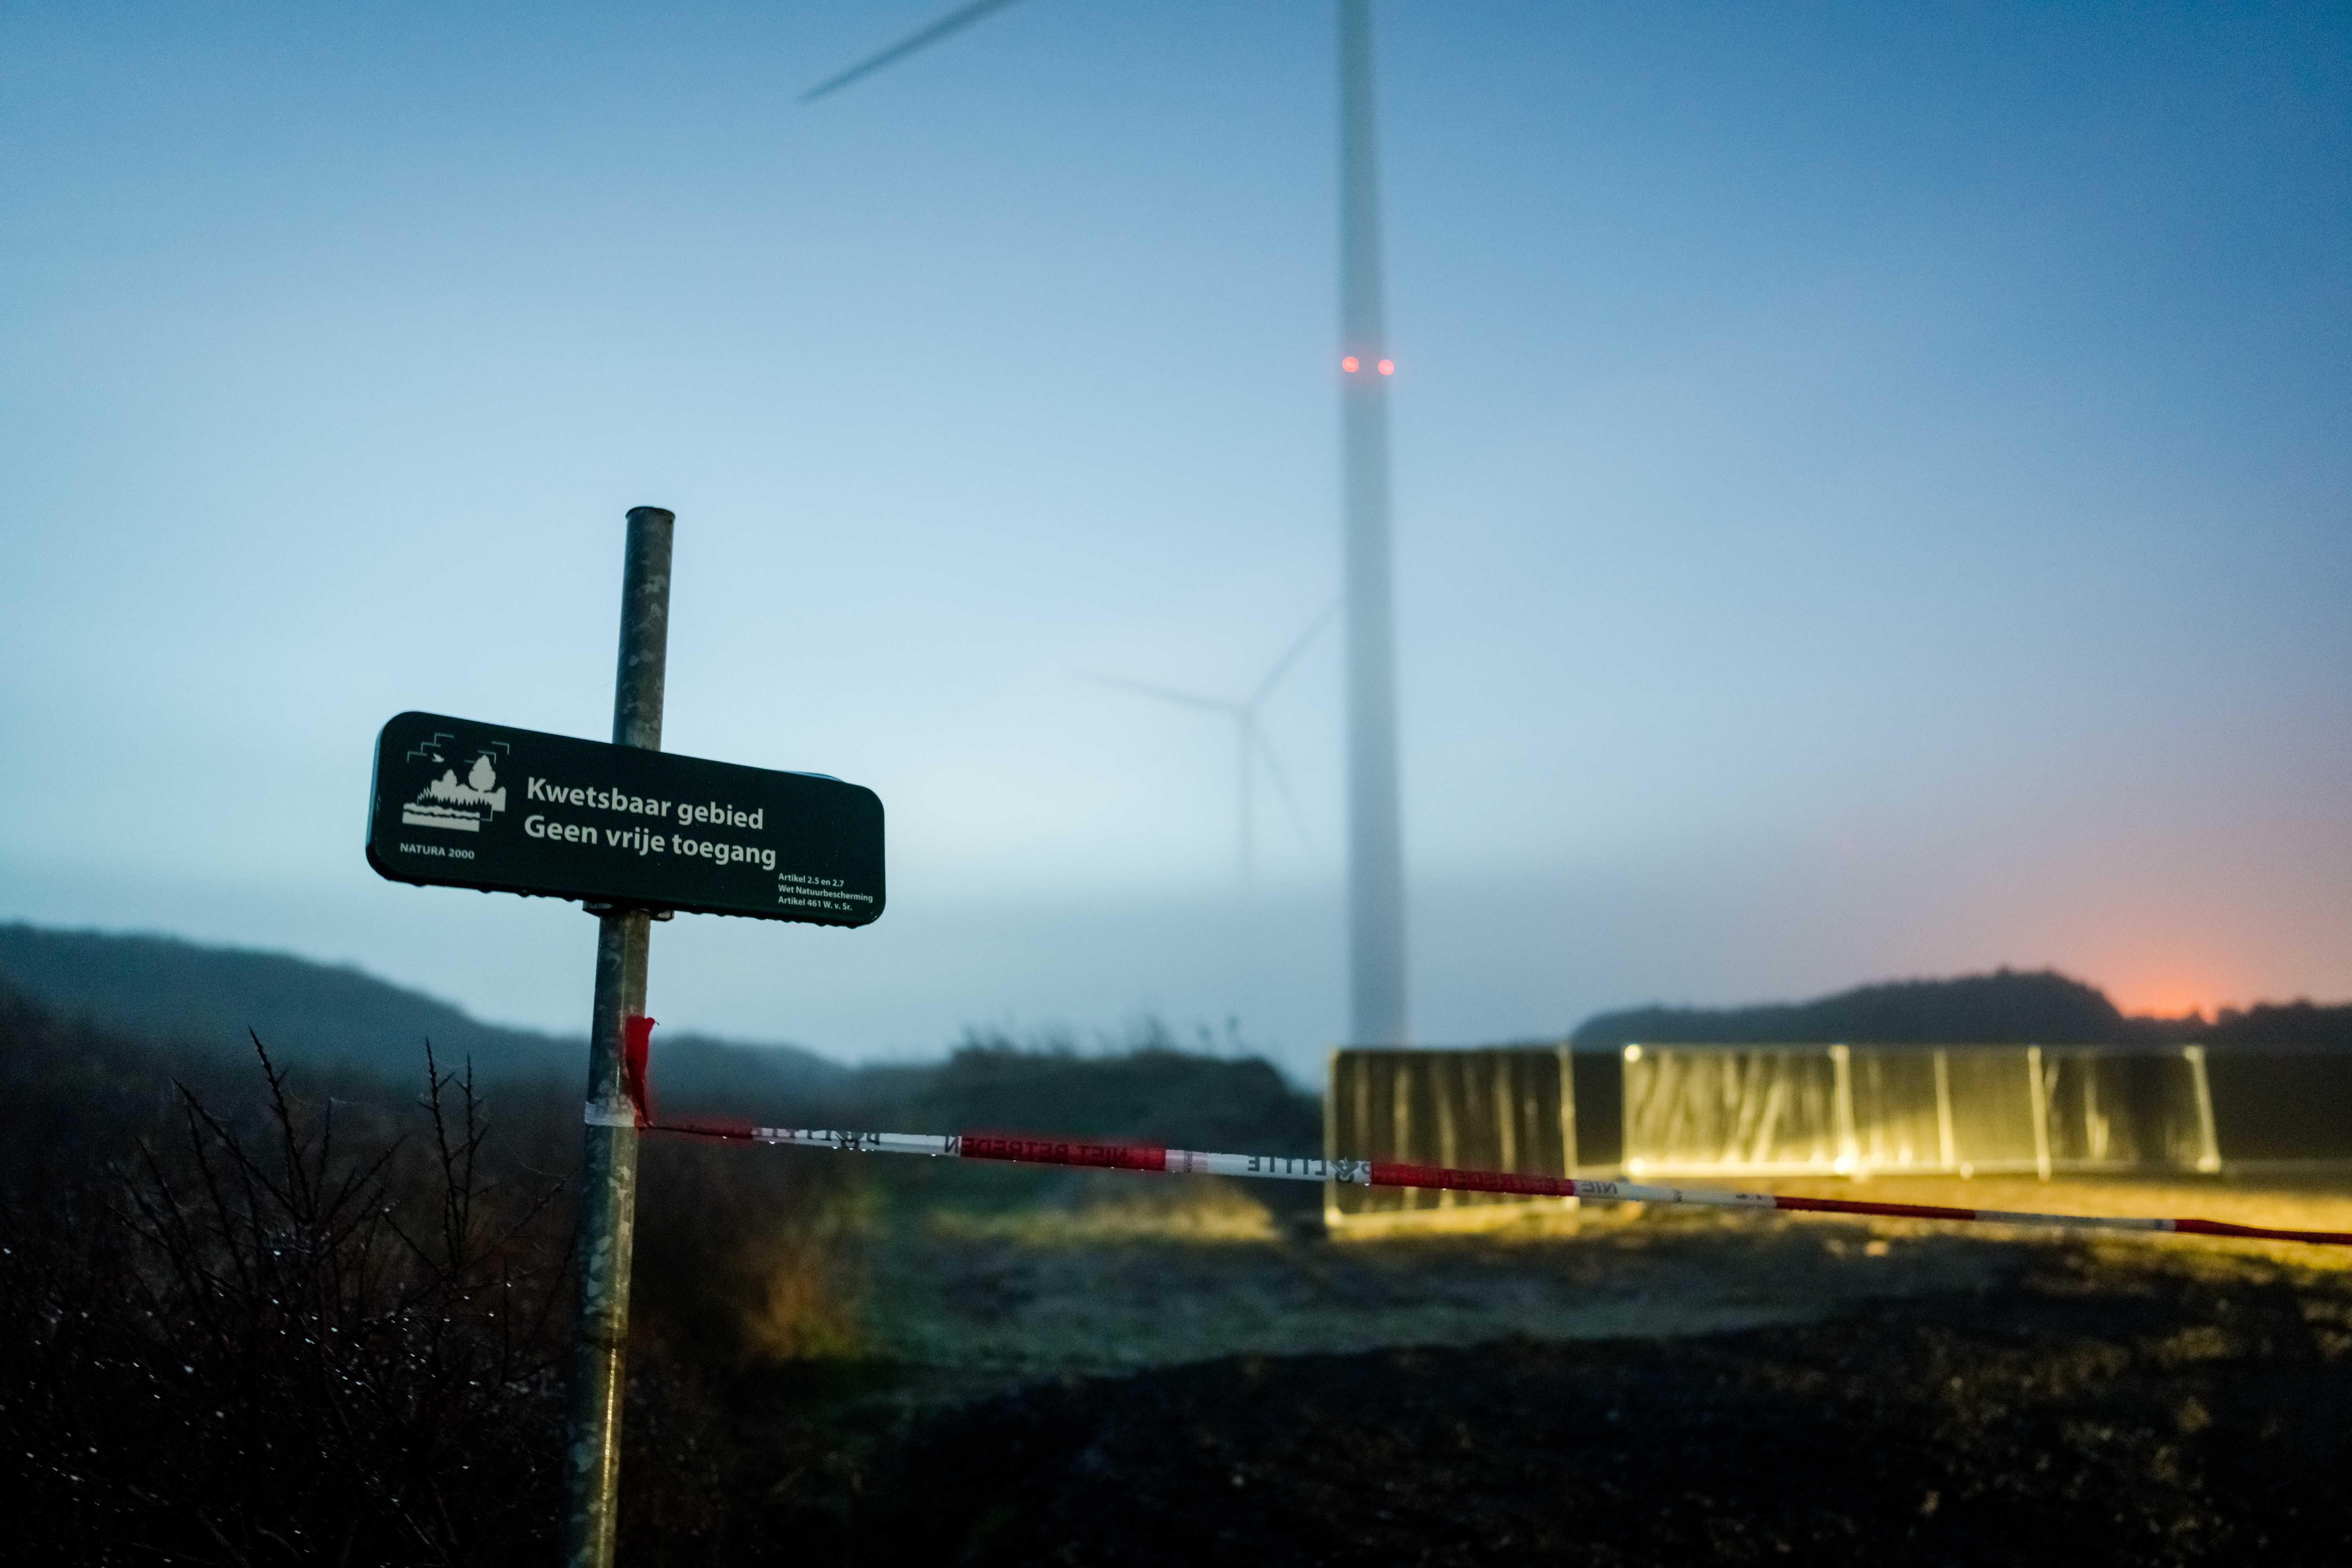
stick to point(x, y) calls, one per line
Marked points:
point(1067, 1151)
point(636, 1059)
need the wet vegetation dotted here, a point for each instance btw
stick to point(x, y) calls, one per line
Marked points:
point(262, 1315)
point(267, 1316)
point(276, 1332)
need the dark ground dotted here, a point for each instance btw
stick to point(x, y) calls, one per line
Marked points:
point(2101, 1406)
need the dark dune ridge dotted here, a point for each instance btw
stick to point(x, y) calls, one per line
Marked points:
point(2008, 1006)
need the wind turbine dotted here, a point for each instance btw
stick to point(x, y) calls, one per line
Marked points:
point(1376, 993)
point(1249, 736)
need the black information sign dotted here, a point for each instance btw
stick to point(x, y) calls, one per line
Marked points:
point(463, 805)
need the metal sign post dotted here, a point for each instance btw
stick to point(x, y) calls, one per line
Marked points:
point(608, 1167)
point(634, 834)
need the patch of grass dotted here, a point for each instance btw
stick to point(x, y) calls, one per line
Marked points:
point(1171, 1210)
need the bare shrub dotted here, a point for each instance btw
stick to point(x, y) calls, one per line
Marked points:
point(259, 1345)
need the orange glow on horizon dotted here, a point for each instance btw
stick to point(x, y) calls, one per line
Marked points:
point(2171, 973)
point(2168, 1001)
point(2162, 990)
point(2169, 980)
point(1350, 365)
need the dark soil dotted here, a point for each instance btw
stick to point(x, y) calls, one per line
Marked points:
point(2097, 1409)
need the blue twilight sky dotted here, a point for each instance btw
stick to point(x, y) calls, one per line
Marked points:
point(1872, 486)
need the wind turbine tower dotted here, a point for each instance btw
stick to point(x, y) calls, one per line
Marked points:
point(1376, 1000)
point(1376, 992)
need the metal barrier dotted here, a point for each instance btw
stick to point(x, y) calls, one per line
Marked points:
point(1511, 1109)
point(1857, 1111)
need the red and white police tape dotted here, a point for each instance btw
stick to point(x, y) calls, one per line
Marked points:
point(1386, 1174)
point(636, 1109)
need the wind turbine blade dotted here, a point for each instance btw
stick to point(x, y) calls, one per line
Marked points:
point(955, 21)
point(1184, 698)
point(1306, 640)
point(1282, 787)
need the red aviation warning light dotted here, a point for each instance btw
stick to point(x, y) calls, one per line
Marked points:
point(1350, 365)
point(1388, 367)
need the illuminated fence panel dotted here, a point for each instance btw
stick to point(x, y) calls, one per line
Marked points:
point(1994, 1110)
point(1764, 1111)
point(2109, 1109)
point(1897, 1118)
point(1499, 1110)
point(1772, 1110)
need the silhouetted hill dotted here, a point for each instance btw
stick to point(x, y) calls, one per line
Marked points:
point(2283, 1025)
point(2008, 1006)
point(190, 997)
point(188, 1007)
point(1152, 1091)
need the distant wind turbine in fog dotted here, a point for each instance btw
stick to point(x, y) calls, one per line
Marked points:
point(1249, 736)
point(1376, 1011)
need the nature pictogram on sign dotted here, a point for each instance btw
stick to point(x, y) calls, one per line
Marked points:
point(450, 803)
